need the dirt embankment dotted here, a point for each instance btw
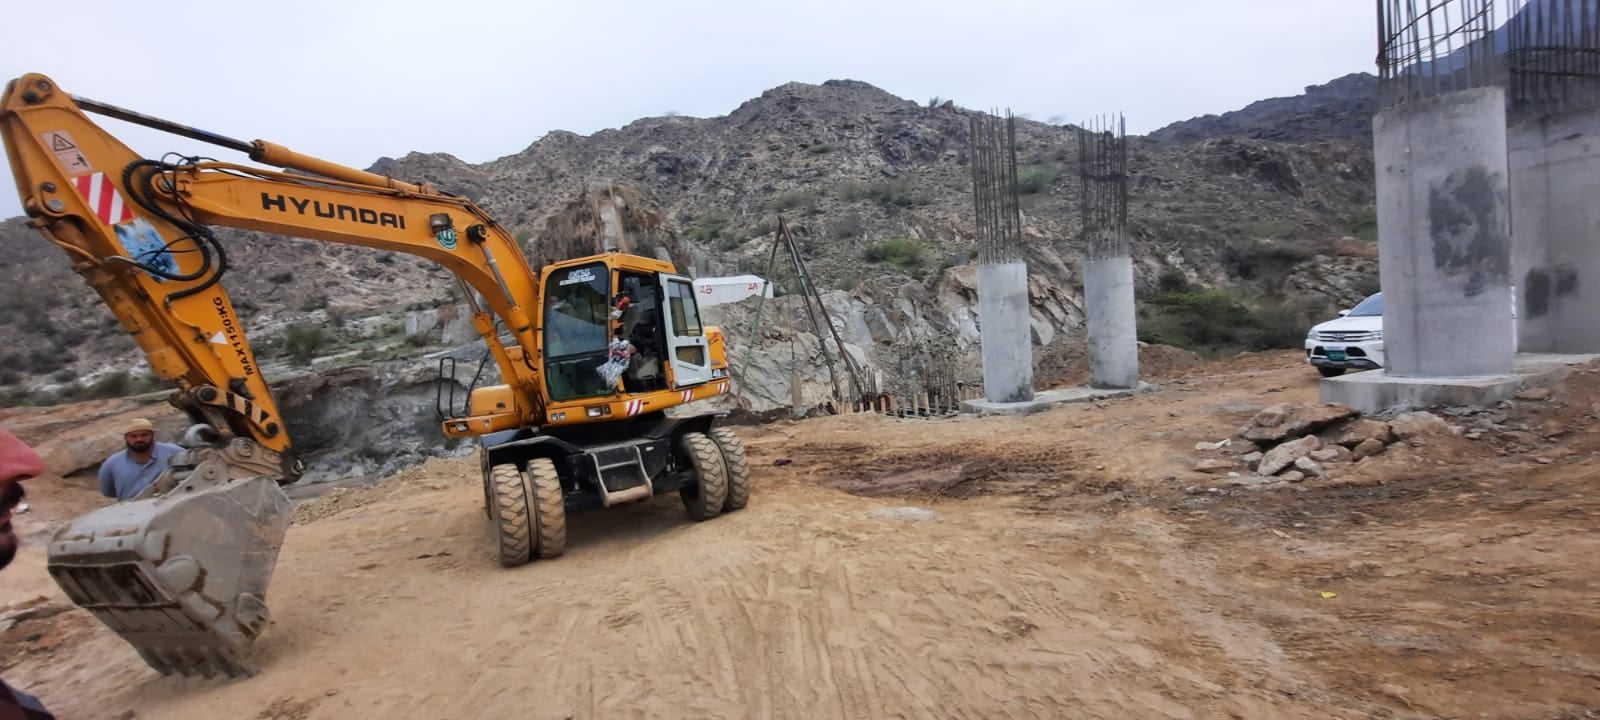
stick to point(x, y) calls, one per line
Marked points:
point(1074, 563)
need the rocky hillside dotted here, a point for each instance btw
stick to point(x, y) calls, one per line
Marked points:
point(1239, 241)
point(1338, 109)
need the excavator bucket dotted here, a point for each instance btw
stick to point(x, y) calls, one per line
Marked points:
point(181, 576)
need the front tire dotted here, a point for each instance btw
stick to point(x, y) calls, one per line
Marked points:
point(1330, 371)
point(549, 508)
point(738, 469)
point(508, 515)
point(705, 498)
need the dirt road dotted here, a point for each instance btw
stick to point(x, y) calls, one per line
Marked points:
point(1068, 564)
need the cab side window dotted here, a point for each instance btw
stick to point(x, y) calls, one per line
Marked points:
point(685, 317)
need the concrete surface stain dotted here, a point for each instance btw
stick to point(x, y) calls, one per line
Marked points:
point(1467, 229)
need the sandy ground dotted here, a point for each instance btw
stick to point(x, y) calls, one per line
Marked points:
point(1067, 564)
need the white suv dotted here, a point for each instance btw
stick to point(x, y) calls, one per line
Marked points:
point(1355, 340)
point(1352, 342)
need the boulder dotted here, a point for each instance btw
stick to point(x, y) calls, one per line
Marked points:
point(1418, 424)
point(1331, 454)
point(1214, 465)
point(1366, 448)
point(1351, 433)
point(1286, 454)
point(1283, 421)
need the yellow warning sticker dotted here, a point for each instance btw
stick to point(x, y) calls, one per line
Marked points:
point(67, 152)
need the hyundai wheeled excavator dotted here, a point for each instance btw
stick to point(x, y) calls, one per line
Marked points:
point(591, 352)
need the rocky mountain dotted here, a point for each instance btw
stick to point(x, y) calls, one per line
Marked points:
point(1242, 236)
point(1338, 109)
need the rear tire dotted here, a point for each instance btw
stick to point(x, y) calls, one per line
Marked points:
point(1330, 372)
point(738, 469)
point(704, 499)
point(509, 516)
point(549, 509)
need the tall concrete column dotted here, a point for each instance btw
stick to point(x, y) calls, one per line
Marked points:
point(1444, 243)
point(1111, 318)
point(1007, 339)
point(1003, 310)
point(1112, 322)
point(1555, 181)
point(1553, 133)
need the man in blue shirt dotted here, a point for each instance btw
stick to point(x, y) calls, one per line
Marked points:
point(129, 471)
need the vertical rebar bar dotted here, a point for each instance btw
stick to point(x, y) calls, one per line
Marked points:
point(1430, 47)
point(1552, 57)
point(994, 189)
point(1103, 186)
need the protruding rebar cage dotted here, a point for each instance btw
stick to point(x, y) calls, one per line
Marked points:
point(1427, 48)
point(927, 382)
point(994, 189)
point(1110, 313)
point(1552, 57)
point(1103, 184)
point(1003, 305)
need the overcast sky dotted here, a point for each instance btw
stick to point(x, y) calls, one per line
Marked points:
point(355, 80)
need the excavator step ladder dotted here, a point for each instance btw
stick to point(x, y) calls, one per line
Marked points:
point(620, 474)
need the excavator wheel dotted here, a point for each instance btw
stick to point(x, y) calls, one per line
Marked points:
point(704, 499)
point(738, 469)
point(509, 519)
point(549, 509)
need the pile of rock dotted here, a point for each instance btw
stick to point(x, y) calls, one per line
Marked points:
point(1292, 443)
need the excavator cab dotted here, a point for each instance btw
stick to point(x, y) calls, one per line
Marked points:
point(593, 353)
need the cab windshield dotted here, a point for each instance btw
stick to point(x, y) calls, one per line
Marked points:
point(576, 324)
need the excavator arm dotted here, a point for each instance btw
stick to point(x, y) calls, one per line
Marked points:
point(181, 572)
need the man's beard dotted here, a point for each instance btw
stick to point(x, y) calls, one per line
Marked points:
point(139, 447)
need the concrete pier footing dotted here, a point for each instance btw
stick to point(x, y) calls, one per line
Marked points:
point(1444, 236)
point(1007, 339)
point(1112, 322)
point(1375, 392)
point(1555, 180)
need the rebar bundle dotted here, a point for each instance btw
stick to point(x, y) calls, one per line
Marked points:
point(1103, 182)
point(1431, 47)
point(994, 189)
point(1552, 56)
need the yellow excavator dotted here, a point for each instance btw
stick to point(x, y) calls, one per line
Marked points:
point(591, 351)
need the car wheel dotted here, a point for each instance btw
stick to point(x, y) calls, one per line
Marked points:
point(1330, 372)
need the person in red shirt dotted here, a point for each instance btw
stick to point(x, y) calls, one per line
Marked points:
point(18, 462)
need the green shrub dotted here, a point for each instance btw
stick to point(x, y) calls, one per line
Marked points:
point(1035, 179)
point(1260, 260)
point(709, 227)
point(905, 253)
point(803, 200)
point(1364, 224)
point(302, 342)
point(1213, 321)
point(1172, 280)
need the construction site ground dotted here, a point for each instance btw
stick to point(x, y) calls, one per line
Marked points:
point(1071, 563)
